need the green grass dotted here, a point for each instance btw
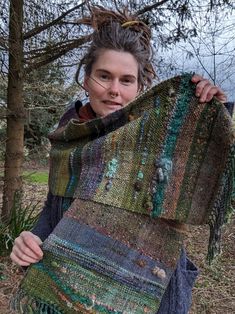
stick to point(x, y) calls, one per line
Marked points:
point(39, 177)
point(36, 177)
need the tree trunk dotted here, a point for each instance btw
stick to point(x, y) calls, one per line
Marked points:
point(15, 110)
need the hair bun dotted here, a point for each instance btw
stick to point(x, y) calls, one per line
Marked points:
point(100, 17)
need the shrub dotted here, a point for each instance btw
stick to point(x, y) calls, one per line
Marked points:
point(22, 217)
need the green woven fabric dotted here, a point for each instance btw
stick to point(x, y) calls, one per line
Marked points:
point(137, 176)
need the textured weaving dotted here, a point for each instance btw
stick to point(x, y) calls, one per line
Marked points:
point(137, 177)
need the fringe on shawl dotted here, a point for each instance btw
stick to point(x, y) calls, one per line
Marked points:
point(223, 207)
point(25, 304)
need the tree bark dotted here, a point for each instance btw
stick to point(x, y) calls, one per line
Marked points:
point(15, 110)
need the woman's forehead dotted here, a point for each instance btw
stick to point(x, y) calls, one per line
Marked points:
point(116, 61)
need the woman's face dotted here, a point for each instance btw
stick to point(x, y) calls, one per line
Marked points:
point(113, 81)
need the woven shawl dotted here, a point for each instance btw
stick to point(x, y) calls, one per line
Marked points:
point(137, 177)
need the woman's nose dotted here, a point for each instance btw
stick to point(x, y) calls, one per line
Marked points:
point(114, 87)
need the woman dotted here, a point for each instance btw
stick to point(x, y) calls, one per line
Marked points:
point(117, 69)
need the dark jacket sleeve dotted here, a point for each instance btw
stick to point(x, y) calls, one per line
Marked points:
point(52, 213)
point(230, 107)
point(43, 226)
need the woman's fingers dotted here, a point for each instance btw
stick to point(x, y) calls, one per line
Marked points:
point(15, 259)
point(21, 258)
point(26, 249)
point(32, 241)
point(205, 90)
point(20, 247)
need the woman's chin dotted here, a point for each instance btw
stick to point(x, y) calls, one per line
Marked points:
point(112, 109)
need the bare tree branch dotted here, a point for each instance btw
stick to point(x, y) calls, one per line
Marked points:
point(4, 43)
point(36, 53)
point(53, 55)
point(41, 28)
point(151, 7)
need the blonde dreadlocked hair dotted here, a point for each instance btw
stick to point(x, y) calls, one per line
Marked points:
point(119, 31)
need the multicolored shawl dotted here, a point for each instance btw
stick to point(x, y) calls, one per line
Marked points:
point(138, 176)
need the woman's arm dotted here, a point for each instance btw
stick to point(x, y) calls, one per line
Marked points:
point(43, 227)
point(26, 249)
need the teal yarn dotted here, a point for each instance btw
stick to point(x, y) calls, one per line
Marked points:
point(186, 91)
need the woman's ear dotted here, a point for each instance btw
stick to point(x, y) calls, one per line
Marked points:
point(85, 83)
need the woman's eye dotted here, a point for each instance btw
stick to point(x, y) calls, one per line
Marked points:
point(104, 77)
point(126, 81)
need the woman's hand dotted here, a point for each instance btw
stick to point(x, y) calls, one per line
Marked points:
point(205, 90)
point(26, 249)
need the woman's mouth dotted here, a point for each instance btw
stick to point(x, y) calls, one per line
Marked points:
point(112, 103)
